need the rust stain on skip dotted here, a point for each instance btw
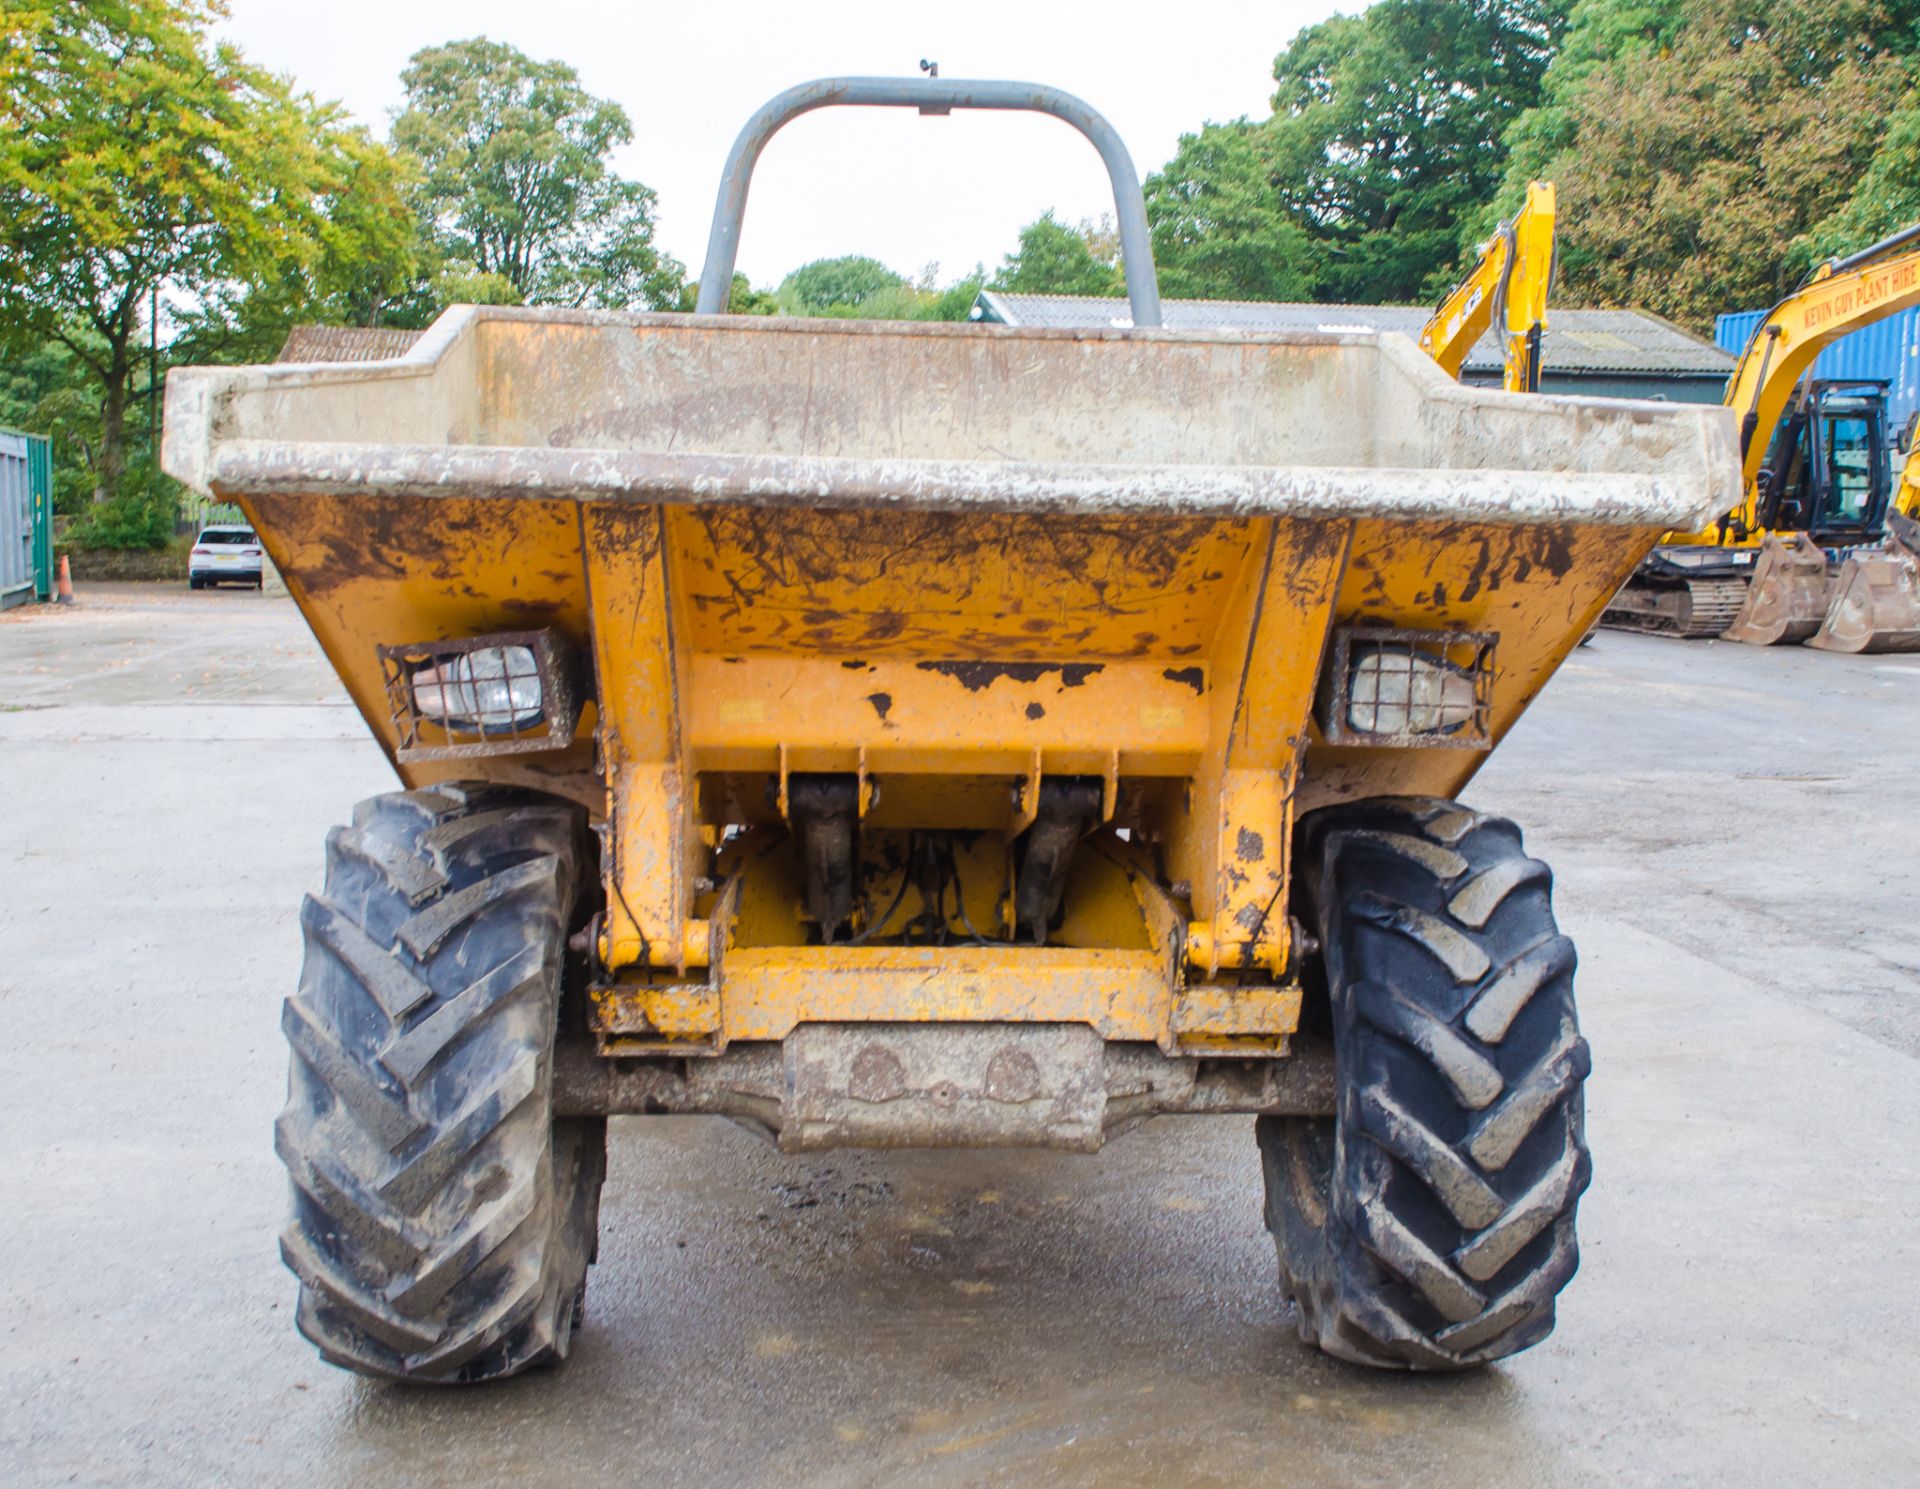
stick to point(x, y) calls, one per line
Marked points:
point(974, 676)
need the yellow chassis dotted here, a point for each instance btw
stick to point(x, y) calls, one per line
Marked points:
point(959, 572)
point(735, 647)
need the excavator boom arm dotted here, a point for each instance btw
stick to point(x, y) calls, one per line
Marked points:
point(1842, 296)
point(1510, 281)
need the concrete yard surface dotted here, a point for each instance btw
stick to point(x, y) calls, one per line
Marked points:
point(1734, 841)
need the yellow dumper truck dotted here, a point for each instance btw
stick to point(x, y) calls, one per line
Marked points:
point(932, 735)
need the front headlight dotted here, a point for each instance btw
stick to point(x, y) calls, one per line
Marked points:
point(1396, 688)
point(495, 690)
point(503, 693)
point(1401, 691)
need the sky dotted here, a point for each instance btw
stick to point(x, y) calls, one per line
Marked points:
point(907, 190)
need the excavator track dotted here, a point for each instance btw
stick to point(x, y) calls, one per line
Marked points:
point(1689, 608)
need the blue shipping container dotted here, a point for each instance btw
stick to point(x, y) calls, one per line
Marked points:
point(1887, 349)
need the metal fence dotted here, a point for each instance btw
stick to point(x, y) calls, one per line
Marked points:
point(26, 518)
point(1887, 349)
point(197, 512)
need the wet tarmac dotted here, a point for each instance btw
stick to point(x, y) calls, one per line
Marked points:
point(1734, 836)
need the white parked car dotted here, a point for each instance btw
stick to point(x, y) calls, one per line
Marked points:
point(224, 555)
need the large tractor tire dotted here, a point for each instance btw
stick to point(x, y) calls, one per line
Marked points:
point(1429, 1225)
point(443, 1219)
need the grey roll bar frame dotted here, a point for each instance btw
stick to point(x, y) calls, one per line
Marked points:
point(930, 96)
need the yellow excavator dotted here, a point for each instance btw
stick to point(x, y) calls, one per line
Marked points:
point(1817, 477)
point(1508, 283)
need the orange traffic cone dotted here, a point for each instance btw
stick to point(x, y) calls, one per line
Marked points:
point(63, 594)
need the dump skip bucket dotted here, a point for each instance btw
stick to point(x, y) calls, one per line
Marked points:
point(867, 585)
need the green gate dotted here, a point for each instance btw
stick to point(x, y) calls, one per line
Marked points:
point(26, 518)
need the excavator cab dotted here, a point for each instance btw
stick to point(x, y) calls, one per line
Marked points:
point(1827, 473)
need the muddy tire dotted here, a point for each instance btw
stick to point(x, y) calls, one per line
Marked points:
point(443, 1219)
point(1429, 1225)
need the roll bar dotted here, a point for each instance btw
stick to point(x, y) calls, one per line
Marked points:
point(929, 96)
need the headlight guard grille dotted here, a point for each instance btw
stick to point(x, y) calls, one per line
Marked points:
point(420, 736)
point(1372, 671)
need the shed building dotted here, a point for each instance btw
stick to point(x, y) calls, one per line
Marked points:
point(345, 344)
point(1593, 353)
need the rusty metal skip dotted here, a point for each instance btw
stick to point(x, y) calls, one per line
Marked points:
point(989, 735)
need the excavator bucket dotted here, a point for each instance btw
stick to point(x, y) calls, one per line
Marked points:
point(1876, 601)
point(1787, 597)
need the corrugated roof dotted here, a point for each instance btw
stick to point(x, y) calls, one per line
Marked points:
point(345, 344)
point(1575, 341)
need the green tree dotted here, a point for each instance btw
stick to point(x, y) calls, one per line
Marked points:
point(742, 299)
point(1599, 34)
point(857, 287)
point(517, 183)
point(1884, 199)
point(1387, 129)
point(1697, 161)
point(369, 264)
point(137, 156)
point(956, 301)
point(836, 286)
point(45, 389)
point(1219, 229)
point(1055, 259)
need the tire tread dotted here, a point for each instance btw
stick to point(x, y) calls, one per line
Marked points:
point(441, 1230)
point(1441, 1226)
